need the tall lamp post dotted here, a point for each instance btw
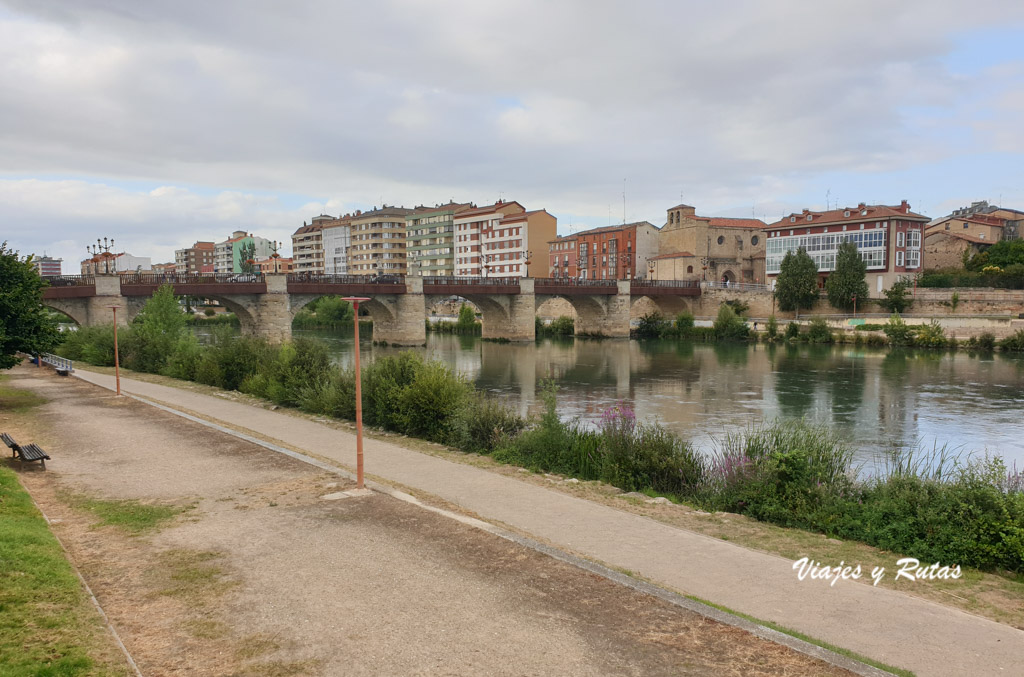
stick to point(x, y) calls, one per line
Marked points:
point(117, 357)
point(650, 269)
point(355, 300)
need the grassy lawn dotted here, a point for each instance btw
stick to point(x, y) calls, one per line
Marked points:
point(13, 399)
point(47, 625)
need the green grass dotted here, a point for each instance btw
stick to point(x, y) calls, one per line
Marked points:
point(810, 640)
point(15, 399)
point(130, 515)
point(47, 626)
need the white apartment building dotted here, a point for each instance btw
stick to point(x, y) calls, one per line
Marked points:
point(336, 240)
point(308, 246)
point(470, 227)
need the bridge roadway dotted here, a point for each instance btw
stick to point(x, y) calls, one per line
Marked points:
point(267, 304)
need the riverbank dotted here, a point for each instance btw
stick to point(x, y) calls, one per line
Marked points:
point(270, 570)
point(667, 555)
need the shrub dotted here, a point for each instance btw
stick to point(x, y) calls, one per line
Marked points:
point(869, 327)
point(94, 345)
point(651, 325)
point(1014, 342)
point(484, 424)
point(209, 312)
point(563, 325)
point(684, 324)
point(896, 300)
point(818, 331)
point(728, 326)
point(429, 406)
point(792, 330)
point(772, 329)
point(898, 332)
point(930, 335)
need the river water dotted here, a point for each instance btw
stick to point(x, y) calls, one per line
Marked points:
point(875, 398)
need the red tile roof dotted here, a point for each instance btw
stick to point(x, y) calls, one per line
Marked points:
point(488, 209)
point(609, 229)
point(961, 236)
point(834, 216)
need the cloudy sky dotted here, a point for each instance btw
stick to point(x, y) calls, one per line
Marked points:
point(160, 122)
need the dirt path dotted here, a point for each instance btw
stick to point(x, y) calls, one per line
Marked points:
point(261, 576)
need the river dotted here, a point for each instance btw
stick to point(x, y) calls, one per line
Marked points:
point(874, 398)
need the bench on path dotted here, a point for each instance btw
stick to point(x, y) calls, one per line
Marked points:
point(26, 454)
point(61, 365)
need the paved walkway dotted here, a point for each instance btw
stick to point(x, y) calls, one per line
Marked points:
point(889, 626)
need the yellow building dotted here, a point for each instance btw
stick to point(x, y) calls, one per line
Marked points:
point(378, 242)
point(714, 249)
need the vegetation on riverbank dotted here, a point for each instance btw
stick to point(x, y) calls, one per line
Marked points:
point(47, 626)
point(561, 326)
point(207, 320)
point(326, 312)
point(465, 325)
point(791, 474)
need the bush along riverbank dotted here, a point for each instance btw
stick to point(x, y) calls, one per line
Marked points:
point(465, 325)
point(788, 473)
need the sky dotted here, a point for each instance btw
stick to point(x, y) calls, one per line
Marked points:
point(163, 122)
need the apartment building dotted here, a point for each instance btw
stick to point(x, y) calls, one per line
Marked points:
point(47, 266)
point(430, 238)
point(231, 255)
point(562, 257)
point(194, 258)
point(336, 236)
point(709, 248)
point(507, 245)
point(308, 245)
point(616, 252)
point(470, 226)
point(888, 238)
point(378, 242)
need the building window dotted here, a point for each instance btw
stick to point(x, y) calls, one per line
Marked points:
point(689, 269)
point(899, 258)
point(754, 240)
point(899, 239)
point(792, 219)
point(721, 240)
point(965, 225)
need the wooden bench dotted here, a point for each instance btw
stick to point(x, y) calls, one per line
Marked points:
point(29, 453)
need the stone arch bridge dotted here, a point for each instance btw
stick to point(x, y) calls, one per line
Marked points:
point(267, 304)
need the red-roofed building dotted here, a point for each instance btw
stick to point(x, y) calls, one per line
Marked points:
point(889, 239)
point(470, 226)
point(615, 252)
point(711, 248)
point(562, 257)
point(969, 229)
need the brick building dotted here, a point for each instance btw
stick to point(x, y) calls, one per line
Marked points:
point(507, 245)
point(889, 239)
point(192, 259)
point(692, 247)
point(562, 257)
point(470, 226)
point(274, 264)
point(47, 266)
point(615, 252)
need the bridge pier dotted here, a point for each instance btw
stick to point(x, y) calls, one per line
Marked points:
point(269, 315)
point(402, 322)
point(605, 315)
point(517, 322)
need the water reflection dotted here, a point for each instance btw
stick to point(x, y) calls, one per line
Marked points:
point(874, 398)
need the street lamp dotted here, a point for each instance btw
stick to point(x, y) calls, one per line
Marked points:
point(650, 269)
point(355, 300)
point(704, 266)
point(117, 358)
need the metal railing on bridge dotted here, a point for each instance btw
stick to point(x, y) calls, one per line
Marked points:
point(324, 278)
point(475, 281)
point(130, 279)
point(673, 284)
point(739, 286)
point(69, 280)
point(571, 282)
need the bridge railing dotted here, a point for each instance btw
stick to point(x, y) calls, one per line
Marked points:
point(323, 278)
point(130, 279)
point(70, 280)
point(571, 282)
point(480, 281)
point(739, 286)
point(673, 284)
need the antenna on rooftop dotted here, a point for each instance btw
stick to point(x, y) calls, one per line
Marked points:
point(828, 193)
point(623, 201)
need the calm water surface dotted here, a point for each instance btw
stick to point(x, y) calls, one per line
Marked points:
point(876, 399)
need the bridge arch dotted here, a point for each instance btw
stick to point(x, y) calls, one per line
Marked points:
point(246, 320)
point(596, 314)
point(76, 312)
point(668, 306)
point(495, 316)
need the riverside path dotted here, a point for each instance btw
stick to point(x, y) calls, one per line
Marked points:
point(889, 626)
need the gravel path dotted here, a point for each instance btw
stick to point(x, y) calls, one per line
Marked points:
point(262, 576)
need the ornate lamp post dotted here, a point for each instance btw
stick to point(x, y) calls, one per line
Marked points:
point(102, 247)
point(704, 265)
point(650, 269)
point(526, 262)
point(354, 300)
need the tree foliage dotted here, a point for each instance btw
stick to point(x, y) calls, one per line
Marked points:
point(25, 325)
point(247, 257)
point(1002, 254)
point(847, 281)
point(896, 300)
point(155, 333)
point(797, 284)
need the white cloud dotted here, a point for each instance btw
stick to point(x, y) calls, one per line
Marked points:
point(408, 101)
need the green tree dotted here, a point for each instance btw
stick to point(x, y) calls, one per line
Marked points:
point(896, 300)
point(247, 257)
point(467, 318)
point(25, 325)
point(155, 333)
point(797, 284)
point(847, 281)
point(334, 311)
